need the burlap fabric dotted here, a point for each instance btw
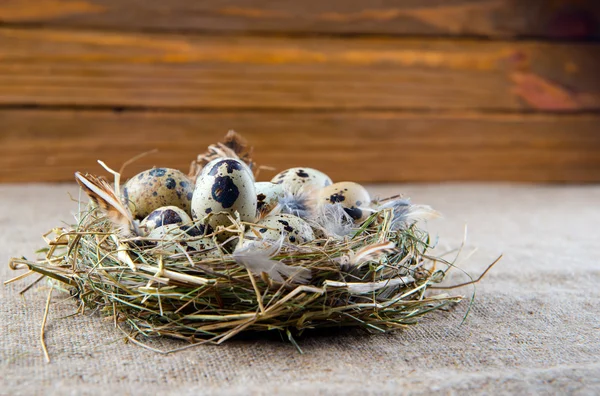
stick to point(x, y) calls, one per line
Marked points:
point(534, 329)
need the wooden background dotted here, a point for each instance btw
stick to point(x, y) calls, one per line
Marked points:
point(371, 91)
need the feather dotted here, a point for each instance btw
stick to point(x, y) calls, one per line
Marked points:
point(301, 203)
point(256, 257)
point(372, 252)
point(333, 220)
point(232, 146)
point(103, 195)
point(369, 287)
point(406, 214)
point(235, 142)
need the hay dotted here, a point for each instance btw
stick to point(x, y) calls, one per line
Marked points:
point(183, 295)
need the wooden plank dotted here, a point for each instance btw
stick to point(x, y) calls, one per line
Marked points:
point(489, 18)
point(90, 68)
point(42, 145)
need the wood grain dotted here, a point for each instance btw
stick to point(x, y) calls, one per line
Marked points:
point(91, 68)
point(40, 145)
point(570, 19)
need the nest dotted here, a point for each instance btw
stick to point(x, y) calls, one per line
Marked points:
point(378, 277)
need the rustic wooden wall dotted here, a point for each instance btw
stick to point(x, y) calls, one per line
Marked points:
point(404, 90)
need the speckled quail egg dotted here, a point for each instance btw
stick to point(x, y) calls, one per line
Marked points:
point(294, 229)
point(267, 196)
point(295, 178)
point(352, 196)
point(210, 165)
point(174, 238)
point(156, 187)
point(164, 216)
point(225, 186)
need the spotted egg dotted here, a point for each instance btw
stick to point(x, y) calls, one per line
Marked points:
point(176, 238)
point(209, 166)
point(204, 247)
point(294, 179)
point(224, 185)
point(268, 195)
point(157, 187)
point(164, 216)
point(294, 229)
point(352, 196)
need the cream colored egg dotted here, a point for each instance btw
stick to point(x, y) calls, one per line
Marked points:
point(294, 229)
point(268, 195)
point(177, 238)
point(294, 179)
point(352, 196)
point(164, 216)
point(157, 187)
point(204, 247)
point(225, 186)
point(210, 165)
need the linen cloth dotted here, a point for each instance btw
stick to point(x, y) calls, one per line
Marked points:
point(534, 328)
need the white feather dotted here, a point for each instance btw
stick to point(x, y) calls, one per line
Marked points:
point(299, 203)
point(372, 252)
point(256, 257)
point(369, 287)
point(333, 220)
point(406, 213)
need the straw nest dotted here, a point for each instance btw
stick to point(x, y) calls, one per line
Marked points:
point(378, 276)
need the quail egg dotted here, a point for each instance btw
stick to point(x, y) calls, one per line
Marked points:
point(352, 196)
point(267, 196)
point(174, 238)
point(164, 216)
point(224, 186)
point(295, 230)
point(295, 178)
point(208, 167)
point(156, 187)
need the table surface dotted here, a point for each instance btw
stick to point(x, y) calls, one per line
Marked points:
point(534, 328)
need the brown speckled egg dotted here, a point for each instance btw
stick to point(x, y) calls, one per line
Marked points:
point(352, 196)
point(176, 238)
point(295, 178)
point(295, 229)
point(267, 196)
point(164, 216)
point(224, 185)
point(157, 187)
point(208, 167)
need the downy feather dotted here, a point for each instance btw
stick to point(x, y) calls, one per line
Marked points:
point(300, 203)
point(333, 220)
point(406, 214)
point(256, 257)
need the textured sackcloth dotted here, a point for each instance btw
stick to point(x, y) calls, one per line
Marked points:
point(534, 329)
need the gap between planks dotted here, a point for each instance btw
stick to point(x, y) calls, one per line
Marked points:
point(399, 112)
point(466, 38)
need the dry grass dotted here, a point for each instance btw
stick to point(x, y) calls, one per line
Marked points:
point(356, 281)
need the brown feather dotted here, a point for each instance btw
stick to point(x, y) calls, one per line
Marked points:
point(236, 142)
point(232, 146)
point(103, 195)
point(373, 252)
